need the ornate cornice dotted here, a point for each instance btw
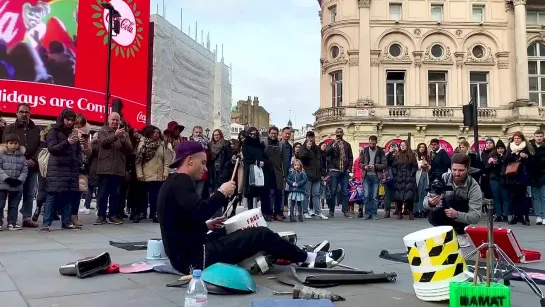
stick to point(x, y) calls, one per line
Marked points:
point(327, 3)
point(503, 60)
point(364, 4)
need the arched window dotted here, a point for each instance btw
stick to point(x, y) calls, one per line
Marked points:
point(536, 72)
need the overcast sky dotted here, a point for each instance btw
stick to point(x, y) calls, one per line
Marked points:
point(274, 48)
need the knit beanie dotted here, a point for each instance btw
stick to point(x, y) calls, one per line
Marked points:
point(500, 144)
point(490, 140)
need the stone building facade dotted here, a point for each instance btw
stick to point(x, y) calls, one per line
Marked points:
point(393, 67)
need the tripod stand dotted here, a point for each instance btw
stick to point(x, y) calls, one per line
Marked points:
point(496, 257)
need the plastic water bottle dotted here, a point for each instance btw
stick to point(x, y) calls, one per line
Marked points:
point(196, 295)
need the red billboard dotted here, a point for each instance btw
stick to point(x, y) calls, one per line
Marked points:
point(53, 55)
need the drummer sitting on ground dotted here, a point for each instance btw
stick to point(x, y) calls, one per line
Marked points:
point(184, 220)
point(461, 206)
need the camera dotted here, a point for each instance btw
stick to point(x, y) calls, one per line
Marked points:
point(438, 187)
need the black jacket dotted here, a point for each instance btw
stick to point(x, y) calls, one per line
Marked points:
point(65, 159)
point(182, 217)
point(523, 176)
point(312, 161)
point(538, 164)
point(494, 171)
point(253, 152)
point(30, 138)
point(333, 153)
point(440, 163)
point(404, 173)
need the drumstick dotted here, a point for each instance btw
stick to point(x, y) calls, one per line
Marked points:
point(235, 170)
point(230, 205)
point(476, 269)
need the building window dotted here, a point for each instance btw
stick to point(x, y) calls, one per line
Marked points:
point(335, 52)
point(437, 51)
point(478, 52)
point(477, 13)
point(437, 88)
point(395, 50)
point(536, 72)
point(478, 86)
point(437, 12)
point(337, 89)
point(333, 13)
point(395, 11)
point(535, 18)
point(395, 88)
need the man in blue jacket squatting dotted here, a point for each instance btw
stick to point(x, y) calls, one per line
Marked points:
point(185, 221)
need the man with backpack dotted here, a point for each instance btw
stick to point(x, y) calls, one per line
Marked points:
point(29, 134)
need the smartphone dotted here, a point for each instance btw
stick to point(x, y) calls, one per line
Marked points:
point(84, 136)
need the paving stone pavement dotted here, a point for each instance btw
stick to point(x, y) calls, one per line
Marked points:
point(29, 262)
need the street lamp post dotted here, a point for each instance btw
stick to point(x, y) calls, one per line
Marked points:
point(112, 13)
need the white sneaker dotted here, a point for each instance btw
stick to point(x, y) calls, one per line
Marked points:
point(84, 211)
point(463, 241)
point(322, 216)
point(311, 213)
point(539, 221)
point(307, 216)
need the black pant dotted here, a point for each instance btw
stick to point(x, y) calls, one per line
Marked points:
point(243, 244)
point(518, 205)
point(437, 217)
point(153, 188)
point(409, 204)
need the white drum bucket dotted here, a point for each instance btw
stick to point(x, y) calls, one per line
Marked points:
point(436, 259)
point(246, 219)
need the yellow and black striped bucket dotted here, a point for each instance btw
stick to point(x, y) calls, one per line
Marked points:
point(436, 259)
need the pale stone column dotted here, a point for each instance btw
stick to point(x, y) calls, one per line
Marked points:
point(364, 80)
point(521, 64)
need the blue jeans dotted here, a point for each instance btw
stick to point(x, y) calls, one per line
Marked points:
point(422, 187)
point(89, 196)
point(62, 201)
point(29, 193)
point(108, 191)
point(12, 198)
point(538, 200)
point(501, 197)
point(370, 194)
point(338, 178)
point(312, 191)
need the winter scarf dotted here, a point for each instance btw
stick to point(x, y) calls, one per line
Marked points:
point(216, 148)
point(147, 151)
point(201, 140)
point(517, 148)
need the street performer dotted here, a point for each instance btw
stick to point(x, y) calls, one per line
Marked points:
point(185, 221)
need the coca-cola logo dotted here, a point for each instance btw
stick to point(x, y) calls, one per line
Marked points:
point(8, 23)
point(127, 21)
point(141, 117)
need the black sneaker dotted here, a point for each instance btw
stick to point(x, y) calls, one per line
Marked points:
point(71, 227)
point(327, 260)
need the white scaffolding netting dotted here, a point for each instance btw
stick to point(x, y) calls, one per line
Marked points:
point(183, 79)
